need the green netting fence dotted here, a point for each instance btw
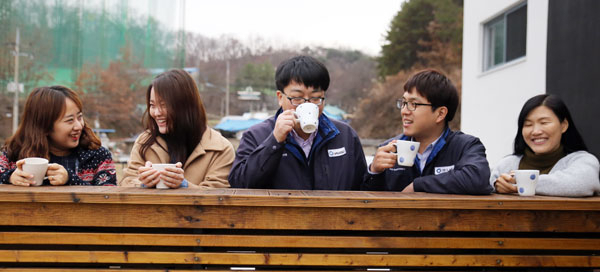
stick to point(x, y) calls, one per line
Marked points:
point(61, 36)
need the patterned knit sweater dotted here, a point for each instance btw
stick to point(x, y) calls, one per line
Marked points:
point(85, 167)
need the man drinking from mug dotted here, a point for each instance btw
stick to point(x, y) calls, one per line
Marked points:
point(279, 153)
point(446, 161)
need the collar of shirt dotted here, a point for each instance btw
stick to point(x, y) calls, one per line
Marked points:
point(423, 157)
point(304, 144)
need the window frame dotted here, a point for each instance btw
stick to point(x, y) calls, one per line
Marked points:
point(487, 57)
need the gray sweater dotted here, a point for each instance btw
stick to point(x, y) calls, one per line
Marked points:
point(575, 175)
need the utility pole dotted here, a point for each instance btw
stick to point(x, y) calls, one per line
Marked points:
point(227, 90)
point(16, 101)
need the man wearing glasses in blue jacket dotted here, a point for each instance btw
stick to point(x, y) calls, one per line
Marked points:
point(278, 154)
point(447, 161)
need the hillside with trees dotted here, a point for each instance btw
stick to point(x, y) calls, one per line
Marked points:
point(110, 57)
point(253, 65)
point(423, 34)
point(110, 53)
point(104, 52)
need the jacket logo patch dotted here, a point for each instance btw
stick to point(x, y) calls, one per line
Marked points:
point(337, 152)
point(443, 169)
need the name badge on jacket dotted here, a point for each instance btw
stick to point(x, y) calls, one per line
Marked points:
point(443, 169)
point(336, 152)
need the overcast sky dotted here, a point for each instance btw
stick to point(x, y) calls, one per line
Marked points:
point(347, 24)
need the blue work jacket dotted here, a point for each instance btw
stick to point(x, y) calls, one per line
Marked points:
point(336, 160)
point(457, 165)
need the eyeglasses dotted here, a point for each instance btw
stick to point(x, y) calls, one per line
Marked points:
point(297, 101)
point(411, 106)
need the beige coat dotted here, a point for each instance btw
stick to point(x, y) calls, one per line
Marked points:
point(207, 167)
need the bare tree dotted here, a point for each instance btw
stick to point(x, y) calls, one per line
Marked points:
point(113, 95)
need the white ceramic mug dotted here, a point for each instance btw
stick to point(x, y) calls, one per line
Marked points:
point(37, 167)
point(160, 167)
point(308, 116)
point(406, 152)
point(527, 181)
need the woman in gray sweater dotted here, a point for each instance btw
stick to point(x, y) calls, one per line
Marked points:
point(547, 140)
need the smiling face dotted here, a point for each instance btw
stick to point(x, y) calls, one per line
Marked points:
point(423, 123)
point(67, 129)
point(158, 112)
point(542, 131)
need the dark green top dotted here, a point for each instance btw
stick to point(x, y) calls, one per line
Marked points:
point(543, 162)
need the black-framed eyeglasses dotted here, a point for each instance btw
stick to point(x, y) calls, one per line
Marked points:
point(410, 105)
point(297, 101)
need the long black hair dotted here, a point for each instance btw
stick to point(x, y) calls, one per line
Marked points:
point(186, 117)
point(570, 139)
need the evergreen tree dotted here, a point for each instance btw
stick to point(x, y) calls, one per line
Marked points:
point(409, 32)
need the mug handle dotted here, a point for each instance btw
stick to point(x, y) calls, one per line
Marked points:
point(297, 120)
point(512, 175)
point(395, 153)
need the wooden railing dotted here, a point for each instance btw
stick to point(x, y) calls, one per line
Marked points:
point(130, 229)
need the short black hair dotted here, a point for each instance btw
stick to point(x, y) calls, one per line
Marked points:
point(304, 70)
point(570, 139)
point(437, 88)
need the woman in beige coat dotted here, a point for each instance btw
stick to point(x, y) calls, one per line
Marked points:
point(176, 132)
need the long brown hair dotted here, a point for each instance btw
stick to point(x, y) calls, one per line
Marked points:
point(186, 117)
point(43, 107)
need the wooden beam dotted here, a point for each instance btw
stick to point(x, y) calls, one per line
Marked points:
point(294, 241)
point(293, 218)
point(116, 269)
point(37, 269)
point(289, 198)
point(348, 260)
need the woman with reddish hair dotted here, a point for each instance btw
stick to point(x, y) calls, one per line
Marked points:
point(53, 128)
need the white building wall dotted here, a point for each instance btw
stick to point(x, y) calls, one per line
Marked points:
point(491, 100)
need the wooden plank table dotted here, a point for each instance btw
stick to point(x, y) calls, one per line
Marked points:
point(75, 227)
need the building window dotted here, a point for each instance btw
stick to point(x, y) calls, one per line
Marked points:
point(505, 37)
